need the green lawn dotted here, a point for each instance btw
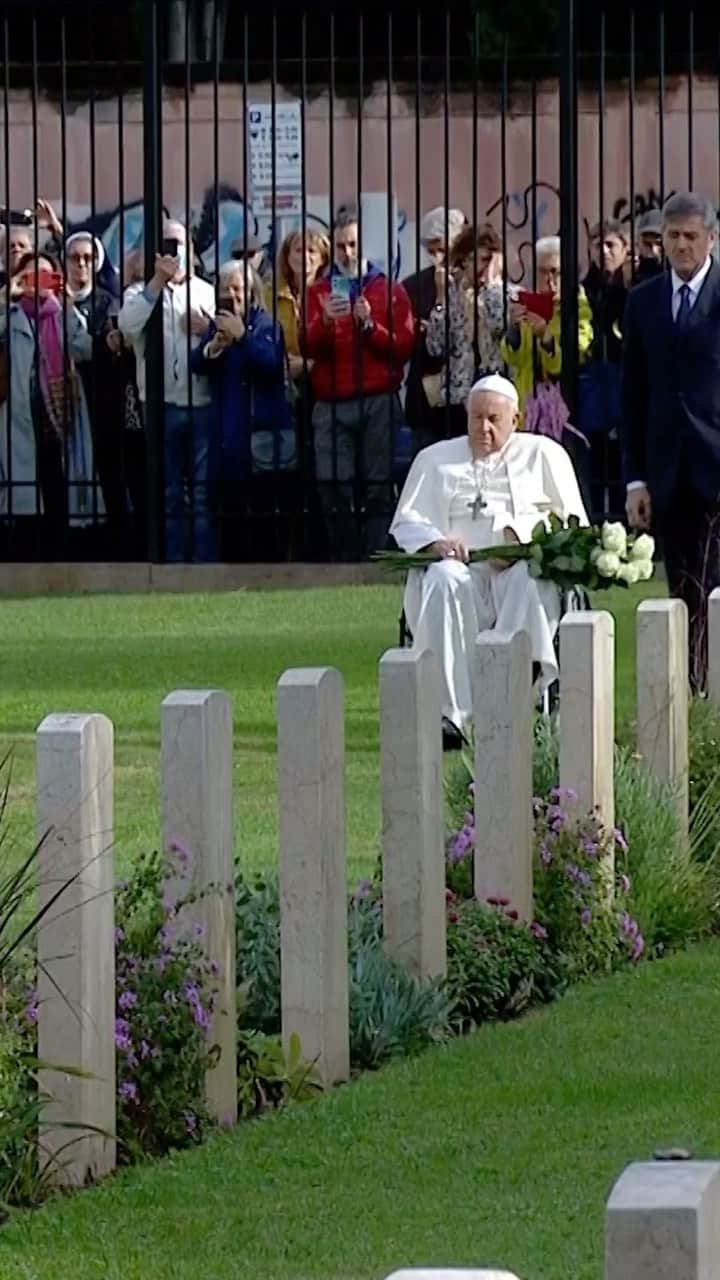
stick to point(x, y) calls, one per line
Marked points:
point(122, 654)
point(498, 1150)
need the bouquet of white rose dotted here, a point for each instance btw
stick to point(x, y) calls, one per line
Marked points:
point(568, 554)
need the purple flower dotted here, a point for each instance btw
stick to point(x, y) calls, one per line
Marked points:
point(638, 948)
point(119, 935)
point(590, 847)
point(191, 993)
point(545, 854)
point(32, 1011)
point(538, 931)
point(129, 1091)
point(144, 1050)
point(559, 794)
point(363, 890)
point(620, 840)
point(201, 1018)
point(199, 931)
point(469, 819)
point(625, 883)
point(557, 817)
point(122, 1035)
point(214, 969)
point(127, 1000)
point(190, 1121)
point(628, 925)
point(585, 917)
point(584, 878)
point(170, 998)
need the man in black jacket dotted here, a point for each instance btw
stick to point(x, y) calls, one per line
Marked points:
point(671, 411)
point(438, 229)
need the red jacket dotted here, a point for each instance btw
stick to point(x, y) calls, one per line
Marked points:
point(365, 362)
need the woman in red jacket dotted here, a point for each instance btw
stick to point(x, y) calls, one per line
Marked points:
point(359, 334)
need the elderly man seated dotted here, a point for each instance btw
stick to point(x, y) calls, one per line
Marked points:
point(483, 489)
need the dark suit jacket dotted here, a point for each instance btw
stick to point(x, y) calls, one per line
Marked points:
point(420, 289)
point(671, 392)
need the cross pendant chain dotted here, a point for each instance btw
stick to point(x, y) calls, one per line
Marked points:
point(477, 506)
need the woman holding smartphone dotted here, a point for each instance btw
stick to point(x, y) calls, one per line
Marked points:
point(46, 450)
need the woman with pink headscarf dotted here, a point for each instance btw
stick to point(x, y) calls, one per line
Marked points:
point(46, 463)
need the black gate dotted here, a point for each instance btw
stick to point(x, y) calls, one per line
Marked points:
point(295, 162)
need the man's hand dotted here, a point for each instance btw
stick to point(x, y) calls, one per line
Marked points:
point(510, 537)
point(166, 268)
point(335, 307)
point(638, 508)
point(198, 322)
point(230, 326)
point(45, 211)
point(452, 548)
point(518, 313)
point(362, 312)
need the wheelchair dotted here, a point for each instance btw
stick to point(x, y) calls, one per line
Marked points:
point(572, 600)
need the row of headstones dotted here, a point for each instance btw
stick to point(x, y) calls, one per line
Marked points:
point(75, 824)
point(662, 1223)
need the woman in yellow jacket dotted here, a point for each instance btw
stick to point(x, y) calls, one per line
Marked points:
point(531, 346)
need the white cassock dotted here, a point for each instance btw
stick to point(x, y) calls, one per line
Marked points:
point(448, 604)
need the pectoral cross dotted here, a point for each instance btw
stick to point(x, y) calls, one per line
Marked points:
point(476, 506)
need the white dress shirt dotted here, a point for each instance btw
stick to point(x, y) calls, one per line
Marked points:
point(138, 305)
point(694, 285)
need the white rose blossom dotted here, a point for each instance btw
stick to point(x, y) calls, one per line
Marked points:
point(643, 548)
point(608, 564)
point(629, 572)
point(614, 537)
point(645, 569)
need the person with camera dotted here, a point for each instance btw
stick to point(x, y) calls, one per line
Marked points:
point(188, 303)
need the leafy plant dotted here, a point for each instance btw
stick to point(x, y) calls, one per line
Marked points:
point(258, 952)
point(674, 895)
point(392, 1014)
point(704, 778)
point(269, 1077)
point(497, 966)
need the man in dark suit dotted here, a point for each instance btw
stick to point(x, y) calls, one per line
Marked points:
point(671, 411)
point(429, 423)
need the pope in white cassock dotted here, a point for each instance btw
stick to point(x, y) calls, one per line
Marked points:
point(480, 490)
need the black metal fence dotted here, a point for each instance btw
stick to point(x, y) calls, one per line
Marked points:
point(227, 320)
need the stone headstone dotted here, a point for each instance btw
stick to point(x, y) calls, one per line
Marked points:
point(662, 695)
point(503, 769)
point(411, 784)
point(713, 686)
point(313, 894)
point(663, 1222)
point(451, 1273)
point(76, 947)
point(587, 712)
point(197, 817)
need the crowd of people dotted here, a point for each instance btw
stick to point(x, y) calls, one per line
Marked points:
point(290, 389)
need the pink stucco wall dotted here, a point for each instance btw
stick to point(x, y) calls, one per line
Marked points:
point(111, 151)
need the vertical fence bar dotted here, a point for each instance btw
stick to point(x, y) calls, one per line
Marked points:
point(302, 408)
point(631, 131)
point(329, 500)
point(64, 265)
point(661, 100)
point(446, 206)
point(101, 476)
point(474, 175)
point(418, 134)
point(386, 489)
point(190, 253)
point(533, 179)
point(569, 202)
point(10, 480)
point(690, 98)
point(152, 237)
point(236, 515)
point(277, 514)
point(503, 165)
point(39, 499)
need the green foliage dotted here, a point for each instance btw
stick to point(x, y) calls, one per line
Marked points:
point(497, 967)
point(257, 915)
point(268, 1077)
point(20, 1106)
point(704, 778)
point(674, 895)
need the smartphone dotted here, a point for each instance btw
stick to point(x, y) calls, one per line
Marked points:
point(43, 281)
point(340, 287)
point(226, 304)
point(170, 247)
point(541, 304)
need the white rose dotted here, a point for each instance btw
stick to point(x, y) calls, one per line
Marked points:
point(645, 569)
point(595, 554)
point(629, 573)
point(608, 564)
point(643, 547)
point(614, 538)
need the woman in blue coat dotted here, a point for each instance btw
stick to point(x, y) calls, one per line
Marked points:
point(243, 356)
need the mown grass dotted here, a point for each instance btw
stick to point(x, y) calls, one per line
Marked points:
point(122, 654)
point(498, 1150)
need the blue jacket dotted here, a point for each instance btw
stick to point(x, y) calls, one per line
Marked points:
point(247, 384)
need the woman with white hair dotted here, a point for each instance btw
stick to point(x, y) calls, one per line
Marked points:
point(439, 229)
point(243, 357)
point(532, 343)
